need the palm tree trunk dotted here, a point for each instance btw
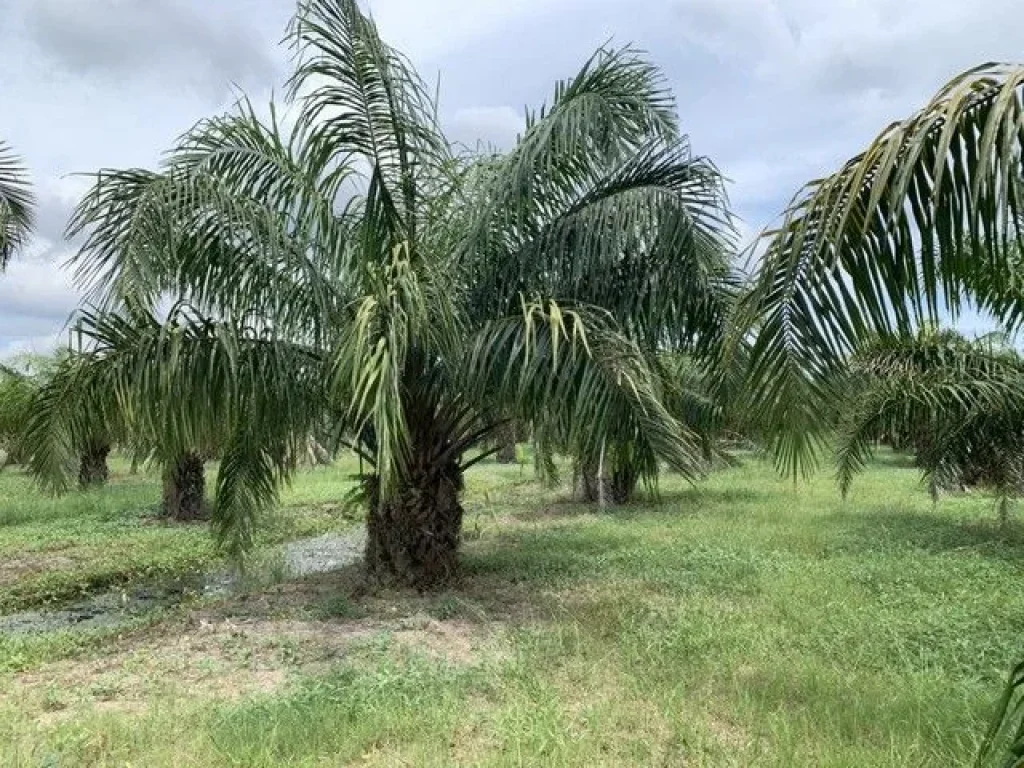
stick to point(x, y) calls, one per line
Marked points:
point(622, 483)
point(185, 488)
point(413, 537)
point(619, 485)
point(505, 437)
point(92, 466)
point(586, 474)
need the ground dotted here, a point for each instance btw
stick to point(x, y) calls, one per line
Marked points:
point(747, 621)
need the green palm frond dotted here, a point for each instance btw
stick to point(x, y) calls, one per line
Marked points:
point(571, 370)
point(368, 103)
point(17, 204)
point(929, 216)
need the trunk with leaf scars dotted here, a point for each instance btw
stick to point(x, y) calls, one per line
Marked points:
point(185, 488)
point(620, 480)
point(505, 437)
point(413, 534)
point(92, 466)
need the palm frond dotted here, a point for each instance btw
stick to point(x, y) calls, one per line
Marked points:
point(928, 216)
point(569, 369)
point(365, 101)
point(17, 204)
point(1003, 746)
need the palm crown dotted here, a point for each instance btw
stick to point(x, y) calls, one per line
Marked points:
point(340, 260)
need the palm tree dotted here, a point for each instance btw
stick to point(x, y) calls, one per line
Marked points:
point(21, 378)
point(16, 205)
point(959, 403)
point(86, 406)
point(625, 457)
point(348, 263)
point(929, 217)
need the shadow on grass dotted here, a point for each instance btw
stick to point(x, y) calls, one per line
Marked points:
point(700, 499)
point(886, 529)
point(688, 501)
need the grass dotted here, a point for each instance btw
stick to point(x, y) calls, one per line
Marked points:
point(743, 622)
point(52, 550)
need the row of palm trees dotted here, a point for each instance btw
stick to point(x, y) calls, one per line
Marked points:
point(348, 270)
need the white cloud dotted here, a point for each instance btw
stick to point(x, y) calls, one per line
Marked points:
point(497, 126)
point(123, 39)
point(36, 345)
point(38, 287)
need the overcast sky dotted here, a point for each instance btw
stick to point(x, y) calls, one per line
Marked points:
point(775, 91)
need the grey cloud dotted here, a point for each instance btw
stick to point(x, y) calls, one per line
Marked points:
point(491, 126)
point(166, 38)
point(37, 288)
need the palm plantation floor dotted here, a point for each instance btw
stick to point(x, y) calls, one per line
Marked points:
point(743, 622)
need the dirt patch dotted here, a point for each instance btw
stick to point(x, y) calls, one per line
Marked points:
point(15, 569)
point(728, 734)
point(215, 658)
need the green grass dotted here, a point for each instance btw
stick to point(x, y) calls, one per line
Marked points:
point(56, 549)
point(744, 622)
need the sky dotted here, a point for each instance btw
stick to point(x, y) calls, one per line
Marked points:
point(775, 92)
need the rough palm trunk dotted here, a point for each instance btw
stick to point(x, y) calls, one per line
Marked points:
point(619, 484)
point(586, 482)
point(92, 466)
point(185, 488)
point(622, 483)
point(413, 538)
point(505, 437)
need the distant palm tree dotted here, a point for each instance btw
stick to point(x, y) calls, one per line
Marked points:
point(348, 263)
point(958, 403)
point(16, 205)
point(928, 217)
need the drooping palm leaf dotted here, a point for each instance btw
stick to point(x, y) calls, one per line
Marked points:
point(929, 216)
point(16, 204)
point(1003, 746)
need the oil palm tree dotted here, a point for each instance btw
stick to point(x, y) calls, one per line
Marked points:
point(927, 219)
point(959, 403)
point(16, 204)
point(339, 259)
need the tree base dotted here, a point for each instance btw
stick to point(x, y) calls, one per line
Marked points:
point(92, 467)
point(619, 486)
point(413, 539)
point(184, 497)
point(505, 437)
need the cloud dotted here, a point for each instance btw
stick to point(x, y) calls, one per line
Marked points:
point(122, 39)
point(36, 345)
point(37, 288)
point(491, 126)
point(776, 92)
point(56, 199)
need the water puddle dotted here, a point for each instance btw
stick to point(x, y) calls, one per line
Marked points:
point(116, 608)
